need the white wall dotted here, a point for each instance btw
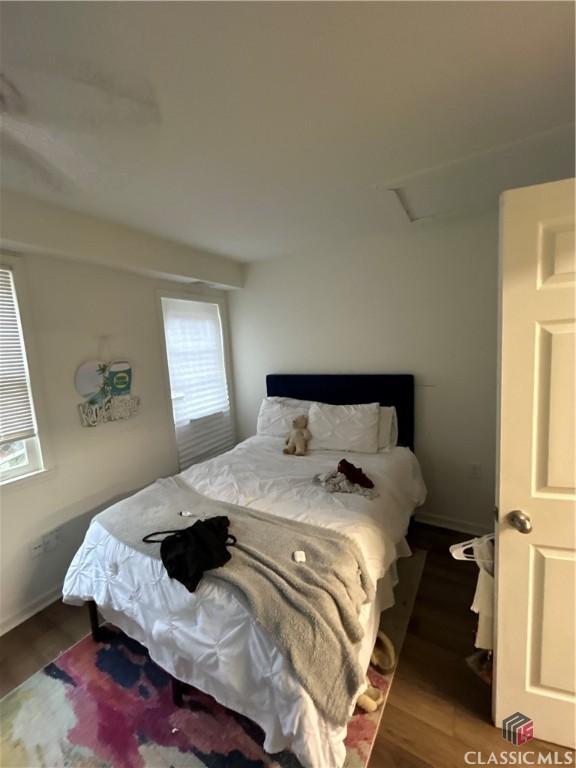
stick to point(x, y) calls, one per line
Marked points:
point(422, 300)
point(68, 305)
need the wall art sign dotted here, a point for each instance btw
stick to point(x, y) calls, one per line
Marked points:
point(106, 388)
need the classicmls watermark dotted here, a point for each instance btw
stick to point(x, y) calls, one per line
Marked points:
point(518, 729)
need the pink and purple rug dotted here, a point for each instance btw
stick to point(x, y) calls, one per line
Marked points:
point(108, 705)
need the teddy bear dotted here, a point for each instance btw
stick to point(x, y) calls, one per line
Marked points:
point(383, 656)
point(384, 659)
point(371, 699)
point(298, 437)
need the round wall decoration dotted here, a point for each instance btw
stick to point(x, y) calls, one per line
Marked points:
point(89, 378)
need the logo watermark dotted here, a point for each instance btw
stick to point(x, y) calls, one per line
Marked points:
point(518, 728)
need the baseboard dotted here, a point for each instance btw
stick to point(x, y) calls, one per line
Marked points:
point(30, 609)
point(453, 524)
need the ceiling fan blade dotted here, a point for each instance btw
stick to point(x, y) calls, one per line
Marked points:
point(75, 95)
point(11, 100)
point(19, 162)
point(47, 149)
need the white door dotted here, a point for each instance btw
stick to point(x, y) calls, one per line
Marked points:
point(536, 547)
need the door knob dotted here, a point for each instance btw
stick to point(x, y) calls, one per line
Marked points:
point(519, 520)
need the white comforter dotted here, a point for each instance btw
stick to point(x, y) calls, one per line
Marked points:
point(208, 638)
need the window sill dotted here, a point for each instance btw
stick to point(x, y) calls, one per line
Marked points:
point(28, 479)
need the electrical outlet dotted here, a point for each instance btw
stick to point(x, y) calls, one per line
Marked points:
point(36, 548)
point(51, 540)
point(474, 471)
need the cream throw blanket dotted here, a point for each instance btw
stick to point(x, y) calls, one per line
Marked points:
point(310, 609)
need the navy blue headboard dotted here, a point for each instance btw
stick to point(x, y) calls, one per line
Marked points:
point(348, 388)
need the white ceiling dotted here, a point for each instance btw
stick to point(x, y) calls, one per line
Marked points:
point(263, 129)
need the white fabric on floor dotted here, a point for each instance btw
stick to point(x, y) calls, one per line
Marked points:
point(483, 603)
point(209, 639)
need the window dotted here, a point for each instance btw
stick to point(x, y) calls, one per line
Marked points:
point(20, 452)
point(198, 381)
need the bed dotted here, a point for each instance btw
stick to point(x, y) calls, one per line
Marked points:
point(209, 639)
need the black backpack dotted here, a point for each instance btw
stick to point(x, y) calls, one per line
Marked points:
point(188, 552)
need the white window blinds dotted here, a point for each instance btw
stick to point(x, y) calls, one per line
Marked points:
point(199, 388)
point(17, 420)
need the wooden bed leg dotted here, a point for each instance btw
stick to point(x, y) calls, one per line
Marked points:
point(178, 688)
point(94, 626)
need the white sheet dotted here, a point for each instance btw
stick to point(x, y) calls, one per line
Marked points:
point(208, 638)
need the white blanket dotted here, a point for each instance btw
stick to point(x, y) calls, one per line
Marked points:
point(209, 639)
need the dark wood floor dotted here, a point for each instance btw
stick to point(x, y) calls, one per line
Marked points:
point(438, 708)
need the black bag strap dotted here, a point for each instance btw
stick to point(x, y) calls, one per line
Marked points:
point(230, 539)
point(149, 540)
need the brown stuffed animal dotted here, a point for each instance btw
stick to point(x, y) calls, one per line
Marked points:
point(383, 658)
point(371, 699)
point(297, 440)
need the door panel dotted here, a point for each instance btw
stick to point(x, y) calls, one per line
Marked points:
point(536, 572)
point(553, 571)
point(555, 433)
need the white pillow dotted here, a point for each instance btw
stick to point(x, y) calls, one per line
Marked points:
point(344, 427)
point(277, 414)
point(388, 428)
point(305, 404)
